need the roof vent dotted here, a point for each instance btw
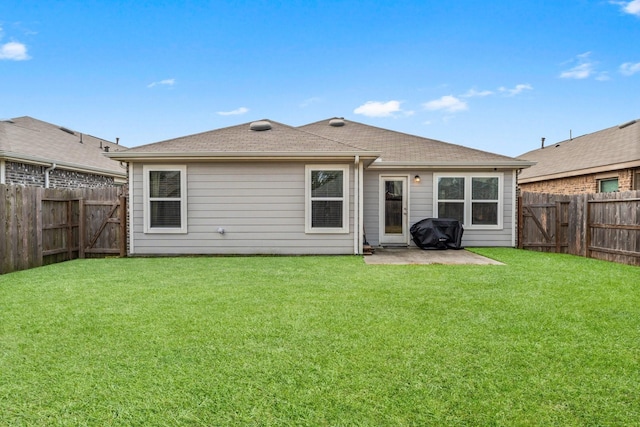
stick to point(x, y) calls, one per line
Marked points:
point(336, 123)
point(67, 130)
point(260, 125)
point(624, 125)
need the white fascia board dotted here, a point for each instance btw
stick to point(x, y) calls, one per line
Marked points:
point(243, 156)
point(518, 164)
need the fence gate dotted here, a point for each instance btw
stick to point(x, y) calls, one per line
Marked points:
point(543, 224)
point(103, 227)
point(80, 228)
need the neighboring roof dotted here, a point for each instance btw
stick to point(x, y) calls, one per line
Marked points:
point(270, 139)
point(400, 149)
point(28, 140)
point(614, 148)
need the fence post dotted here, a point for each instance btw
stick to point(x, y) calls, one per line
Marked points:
point(558, 227)
point(123, 226)
point(520, 222)
point(587, 227)
point(81, 228)
point(69, 232)
point(4, 253)
point(39, 256)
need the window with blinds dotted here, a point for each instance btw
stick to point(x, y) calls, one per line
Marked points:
point(326, 192)
point(485, 198)
point(451, 197)
point(165, 202)
point(164, 199)
point(474, 200)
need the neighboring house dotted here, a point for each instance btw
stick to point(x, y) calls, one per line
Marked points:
point(603, 161)
point(41, 154)
point(268, 188)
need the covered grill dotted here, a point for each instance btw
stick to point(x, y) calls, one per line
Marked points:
point(437, 233)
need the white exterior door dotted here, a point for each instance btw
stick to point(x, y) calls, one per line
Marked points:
point(394, 211)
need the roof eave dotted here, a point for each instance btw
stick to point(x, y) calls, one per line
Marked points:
point(451, 165)
point(213, 156)
point(22, 158)
point(579, 172)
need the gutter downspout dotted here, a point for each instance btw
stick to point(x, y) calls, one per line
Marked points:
point(46, 174)
point(130, 174)
point(514, 210)
point(356, 206)
point(3, 179)
point(361, 207)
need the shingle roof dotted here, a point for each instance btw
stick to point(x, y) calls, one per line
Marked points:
point(398, 147)
point(599, 150)
point(240, 140)
point(317, 139)
point(34, 141)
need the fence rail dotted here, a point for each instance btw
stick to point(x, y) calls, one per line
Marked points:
point(44, 226)
point(603, 225)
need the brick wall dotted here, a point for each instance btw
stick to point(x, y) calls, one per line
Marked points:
point(33, 175)
point(580, 184)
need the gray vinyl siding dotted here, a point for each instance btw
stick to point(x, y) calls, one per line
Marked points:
point(261, 207)
point(421, 206)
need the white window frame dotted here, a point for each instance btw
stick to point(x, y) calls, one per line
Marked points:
point(309, 199)
point(146, 170)
point(468, 202)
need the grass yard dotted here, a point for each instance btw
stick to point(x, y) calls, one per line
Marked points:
point(544, 340)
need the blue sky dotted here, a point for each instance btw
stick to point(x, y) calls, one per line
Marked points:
point(493, 75)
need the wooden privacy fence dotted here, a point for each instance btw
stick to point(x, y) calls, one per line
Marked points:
point(44, 226)
point(602, 225)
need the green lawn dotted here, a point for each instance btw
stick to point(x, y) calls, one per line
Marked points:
point(543, 340)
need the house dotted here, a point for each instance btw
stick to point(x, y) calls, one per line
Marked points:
point(41, 154)
point(603, 161)
point(268, 188)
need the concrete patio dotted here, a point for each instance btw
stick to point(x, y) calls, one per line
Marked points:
point(413, 255)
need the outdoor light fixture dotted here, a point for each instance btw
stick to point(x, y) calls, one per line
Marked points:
point(416, 178)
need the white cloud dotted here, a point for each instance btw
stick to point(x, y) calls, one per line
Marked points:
point(516, 90)
point(472, 93)
point(583, 69)
point(447, 103)
point(629, 68)
point(236, 112)
point(14, 51)
point(633, 7)
point(379, 109)
point(578, 72)
point(165, 82)
point(630, 7)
